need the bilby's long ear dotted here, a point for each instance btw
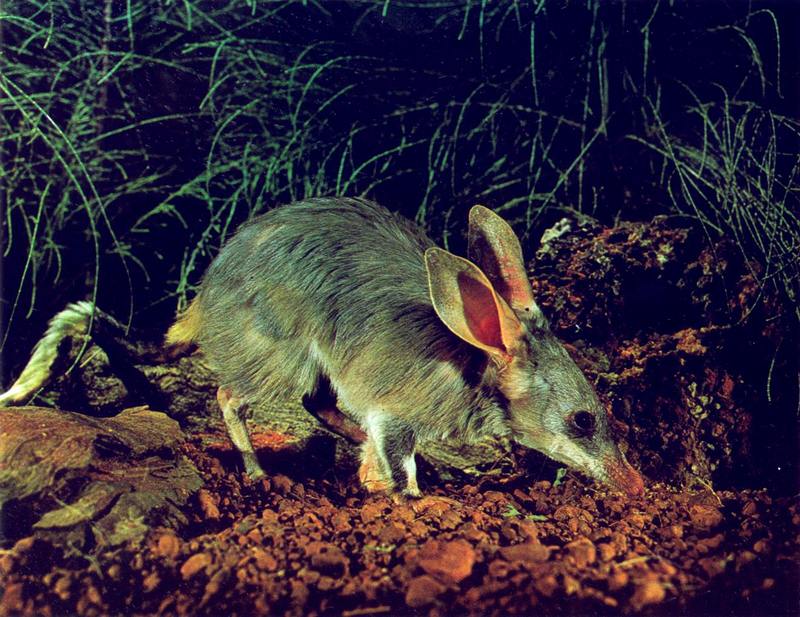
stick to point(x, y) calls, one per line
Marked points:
point(468, 305)
point(495, 248)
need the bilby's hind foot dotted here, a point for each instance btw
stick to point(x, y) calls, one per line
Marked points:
point(233, 413)
point(253, 468)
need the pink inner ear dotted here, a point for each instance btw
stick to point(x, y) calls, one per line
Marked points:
point(480, 311)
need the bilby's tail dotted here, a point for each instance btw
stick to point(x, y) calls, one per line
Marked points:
point(73, 321)
point(183, 333)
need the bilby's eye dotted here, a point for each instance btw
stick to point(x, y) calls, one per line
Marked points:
point(582, 423)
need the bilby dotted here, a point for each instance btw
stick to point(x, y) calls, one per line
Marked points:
point(346, 305)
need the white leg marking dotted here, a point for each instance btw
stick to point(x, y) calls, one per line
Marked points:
point(376, 434)
point(410, 467)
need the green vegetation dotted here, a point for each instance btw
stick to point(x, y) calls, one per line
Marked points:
point(135, 136)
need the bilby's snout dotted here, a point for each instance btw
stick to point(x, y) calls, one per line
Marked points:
point(623, 476)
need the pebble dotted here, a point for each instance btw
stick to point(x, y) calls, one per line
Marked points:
point(265, 561)
point(617, 579)
point(607, 552)
point(282, 484)
point(648, 593)
point(150, 582)
point(168, 546)
point(13, 599)
point(712, 566)
point(195, 564)
point(528, 552)
point(208, 505)
point(750, 508)
point(547, 585)
point(340, 522)
point(371, 511)
point(423, 591)
point(269, 516)
point(327, 558)
point(582, 552)
point(704, 516)
point(62, 587)
point(448, 561)
point(392, 533)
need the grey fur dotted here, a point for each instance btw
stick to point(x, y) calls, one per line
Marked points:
point(336, 289)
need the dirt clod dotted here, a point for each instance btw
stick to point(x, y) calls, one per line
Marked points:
point(423, 590)
point(448, 561)
point(195, 564)
point(705, 517)
point(648, 593)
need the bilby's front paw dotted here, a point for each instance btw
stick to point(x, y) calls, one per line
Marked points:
point(372, 480)
point(413, 492)
point(405, 496)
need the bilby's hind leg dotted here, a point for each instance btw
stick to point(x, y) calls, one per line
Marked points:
point(321, 404)
point(233, 414)
point(387, 458)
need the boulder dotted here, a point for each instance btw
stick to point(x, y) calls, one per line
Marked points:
point(85, 482)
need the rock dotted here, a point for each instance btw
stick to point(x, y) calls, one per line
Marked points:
point(547, 585)
point(208, 505)
point(112, 478)
point(195, 564)
point(448, 561)
point(705, 517)
point(528, 552)
point(570, 512)
point(265, 561)
point(341, 522)
point(327, 559)
point(423, 591)
point(582, 552)
point(648, 593)
point(607, 552)
point(392, 533)
point(282, 484)
point(169, 546)
point(371, 511)
point(712, 566)
point(12, 600)
point(617, 579)
point(151, 582)
point(62, 587)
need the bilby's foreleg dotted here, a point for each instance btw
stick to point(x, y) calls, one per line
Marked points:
point(387, 458)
